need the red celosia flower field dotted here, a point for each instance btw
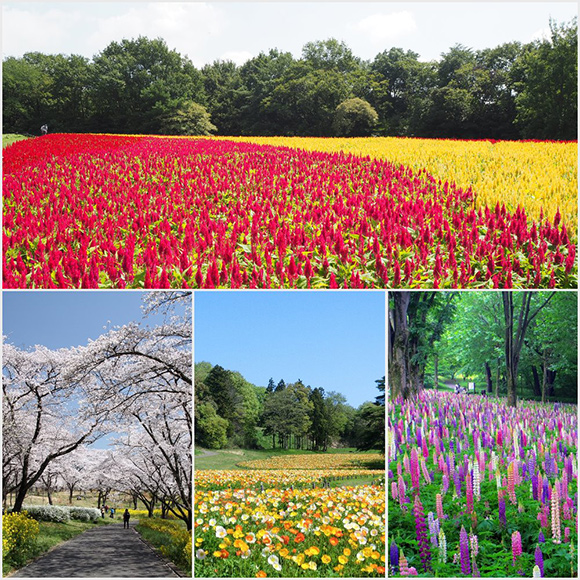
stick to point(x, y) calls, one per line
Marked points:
point(129, 211)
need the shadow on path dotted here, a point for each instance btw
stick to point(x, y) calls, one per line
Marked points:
point(105, 552)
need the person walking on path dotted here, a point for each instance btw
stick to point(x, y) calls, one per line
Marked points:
point(126, 517)
point(44, 129)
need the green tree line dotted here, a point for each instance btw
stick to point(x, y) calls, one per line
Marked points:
point(517, 344)
point(511, 91)
point(230, 411)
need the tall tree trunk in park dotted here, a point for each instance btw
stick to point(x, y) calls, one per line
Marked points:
point(515, 333)
point(488, 380)
point(436, 371)
point(536, 386)
point(497, 377)
point(398, 343)
point(544, 380)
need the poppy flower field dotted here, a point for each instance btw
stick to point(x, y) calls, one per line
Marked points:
point(107, 211)
point(289, 523)
point(481, 489)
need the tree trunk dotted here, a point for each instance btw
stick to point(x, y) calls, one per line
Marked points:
point(536, 382)
point(488, 380)
point(399, 338)
point(550, 378)
point(512, 397)
point(19, 500)
point(544, 380)
point(436, 377)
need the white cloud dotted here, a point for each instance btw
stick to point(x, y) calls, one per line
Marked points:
point(542, 34)
point(238, 57)
point(386, 27)
point(30, 31)
point(184, 26)
point(87, 28)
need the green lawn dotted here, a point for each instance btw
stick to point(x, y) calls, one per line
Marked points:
point(9, 138)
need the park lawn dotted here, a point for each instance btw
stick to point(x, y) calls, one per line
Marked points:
point(51, 534)
point(229, 458)
point(9, 138)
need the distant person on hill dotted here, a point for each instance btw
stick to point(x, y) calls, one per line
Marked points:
point(126, 517)
point(102, 512)
point(44, 129)
point(112, 512)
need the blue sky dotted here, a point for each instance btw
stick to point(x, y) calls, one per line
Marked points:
point(66, 318)
point(334, 340)
point(206, 31)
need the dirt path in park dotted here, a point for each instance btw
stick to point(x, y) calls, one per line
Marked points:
point(103, 552)
point(206, 453)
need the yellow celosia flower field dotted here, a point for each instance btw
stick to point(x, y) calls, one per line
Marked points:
point(280, 520)
point(539, 176)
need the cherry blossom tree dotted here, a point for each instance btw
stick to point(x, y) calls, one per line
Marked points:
point(134, 378)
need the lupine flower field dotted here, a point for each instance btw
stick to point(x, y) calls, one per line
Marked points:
point(481, 489)
point(89, 211)
point(288, 522)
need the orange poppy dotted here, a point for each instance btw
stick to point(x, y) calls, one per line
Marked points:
point(333, 540)
point(299, 537)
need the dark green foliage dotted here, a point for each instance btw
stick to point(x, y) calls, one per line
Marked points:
point(354, 118)
point(141, 86)
point(229, 411)
point(548, 87)
point(188, 118)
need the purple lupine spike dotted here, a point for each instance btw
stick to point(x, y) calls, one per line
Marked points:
point(445, 485)
point(421, 533)
point(457, 482)
point(539, 558)
point(433, 528)
point(394, 557)
point(501, 512)
point(414, 469)
point(532, 463)
point(535, 486)
point(464, 552)
point(545, 491)
point(541, 537)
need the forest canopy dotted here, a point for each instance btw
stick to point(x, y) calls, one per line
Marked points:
point(231, 412)
point(513, 344)
point(510, 91)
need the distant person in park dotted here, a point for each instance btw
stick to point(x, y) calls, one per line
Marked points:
point(102, 511)
point(112, 512)
point(126, 517)
point(44, 129)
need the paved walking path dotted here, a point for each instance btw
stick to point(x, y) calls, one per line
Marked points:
point(105, 552)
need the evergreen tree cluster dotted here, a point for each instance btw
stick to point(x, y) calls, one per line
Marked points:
point(230, 411)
